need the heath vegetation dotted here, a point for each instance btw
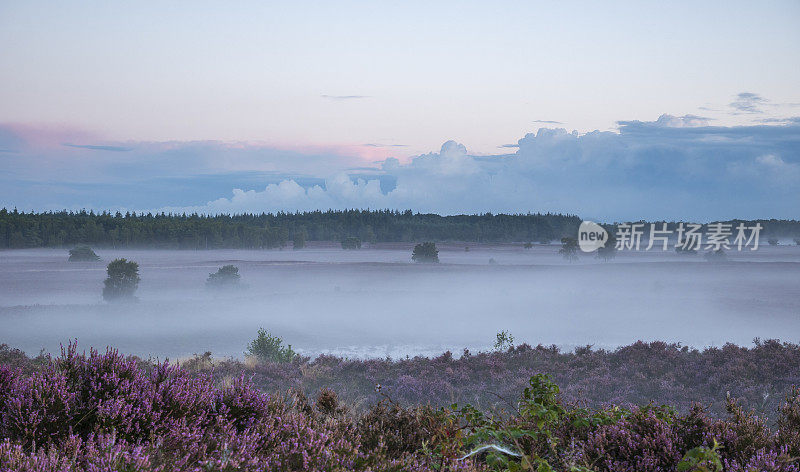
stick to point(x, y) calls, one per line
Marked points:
point(226, 276)
point(108, 412)
point(83, 254)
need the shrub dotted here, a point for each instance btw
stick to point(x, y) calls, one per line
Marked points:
point(772, 241)
point(701, 459)
point(268, 348)
point(122, 281)
point(504, 341)
point(351, 242)
point(328, 403)
point(82, 254)
point(528, 245)
point(425, 253)
point(225, 276)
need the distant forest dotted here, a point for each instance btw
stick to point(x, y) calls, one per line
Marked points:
point(268, 230)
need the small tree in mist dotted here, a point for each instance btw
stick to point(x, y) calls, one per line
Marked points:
point(609, 250)
point(772, 241)
point(569, 249)
point(351, 242)
point(426, 253)
point(504, 341)
point(268, 348)
point(122, 281)
point(82, 254)
point(528, 245)
point(299, 240)
point(797, 241)
point(225, 276)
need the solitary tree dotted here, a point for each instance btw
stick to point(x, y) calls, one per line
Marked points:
point(528, 245)
point(772, 241)
point(504, 342)
point(425, 252)
point(82, 254)
point(269, 348)
point(122, 281)
point(569, 249)
point(351, 242)
point(225, 276)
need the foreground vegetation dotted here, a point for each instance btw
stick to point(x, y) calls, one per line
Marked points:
point(757, 377)
point(107, 412)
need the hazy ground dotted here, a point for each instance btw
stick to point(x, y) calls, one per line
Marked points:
point(373, 302)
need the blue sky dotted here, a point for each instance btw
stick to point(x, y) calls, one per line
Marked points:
point(647, 110)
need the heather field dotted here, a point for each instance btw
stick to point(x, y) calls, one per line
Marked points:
point(92, 411)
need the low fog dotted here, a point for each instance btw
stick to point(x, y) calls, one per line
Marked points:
point(374, 302)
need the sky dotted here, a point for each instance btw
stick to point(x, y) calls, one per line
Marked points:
point(610, 110)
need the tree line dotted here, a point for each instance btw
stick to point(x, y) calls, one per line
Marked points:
point(273, 230)
point(270, 230)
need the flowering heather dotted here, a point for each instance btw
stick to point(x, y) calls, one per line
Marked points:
point(758, 377)
point(100, 412)
point(106, 412)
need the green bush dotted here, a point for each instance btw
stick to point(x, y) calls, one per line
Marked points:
point(504, 342)
point(225, 276)
point(82, 254)
point(425, 252)
point(268, 348)
point(122, 281)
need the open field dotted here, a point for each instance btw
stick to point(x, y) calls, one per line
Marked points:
point(374, 303)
